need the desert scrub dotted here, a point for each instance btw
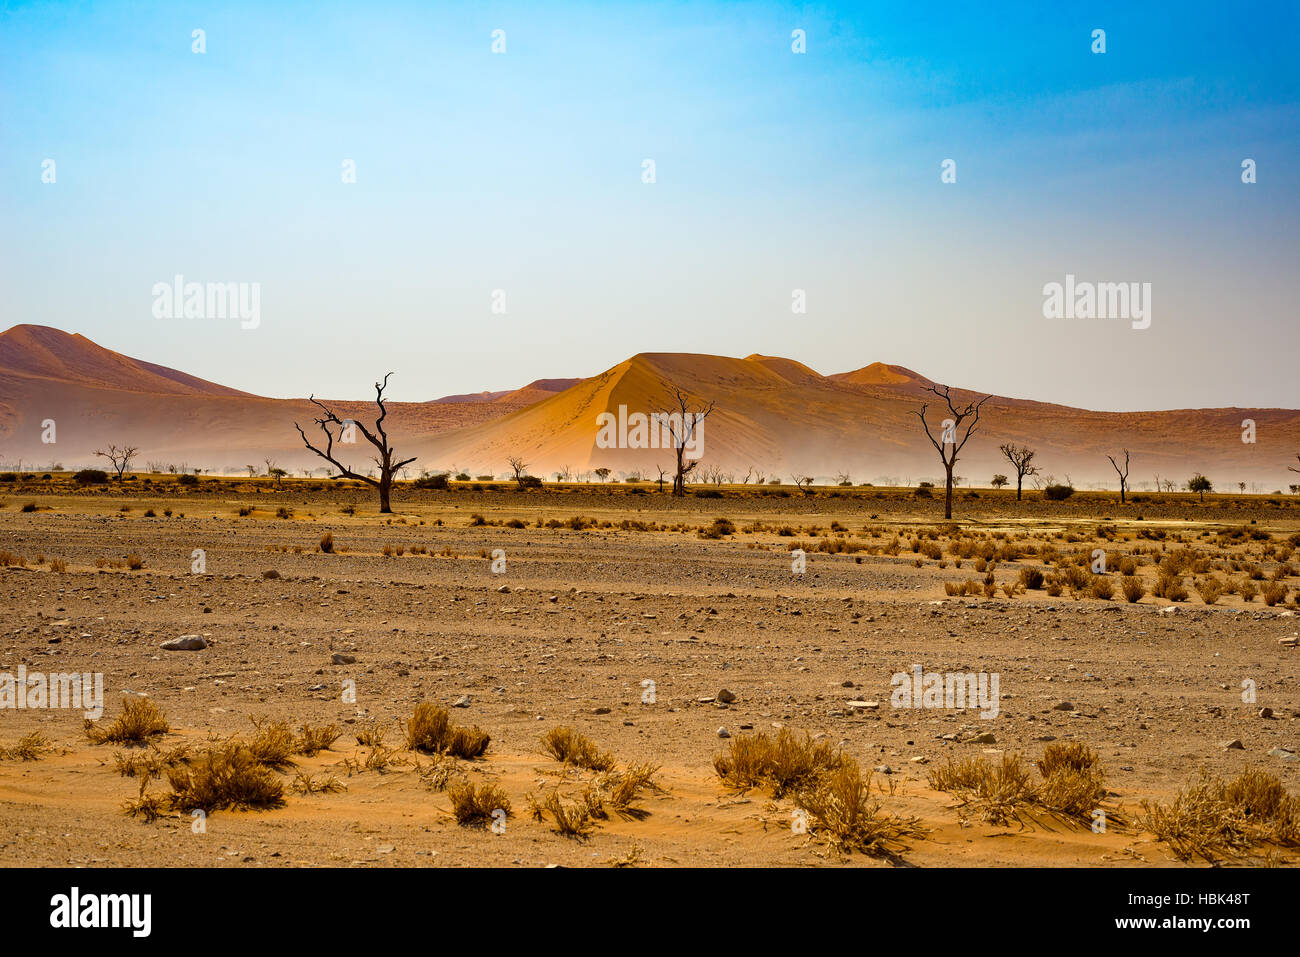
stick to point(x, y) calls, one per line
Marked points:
point(312, 740)
point(229, 775)
point(569, 747)
point(429, 730)
point(783, 763)
point(842, 812)
point(27, 748)
point(1072, 785)
point(140, 720)
point(1213, 818)
point(473, 805)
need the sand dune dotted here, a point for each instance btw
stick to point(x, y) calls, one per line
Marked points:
point(772, 414)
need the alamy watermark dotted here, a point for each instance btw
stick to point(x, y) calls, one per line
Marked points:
point(657, 430)
point(933, 689)
point(1100, 300)
point(38, 691)
point(212, 300)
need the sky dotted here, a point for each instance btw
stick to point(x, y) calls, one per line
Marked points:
point(500, 227)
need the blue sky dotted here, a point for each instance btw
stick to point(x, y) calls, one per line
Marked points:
point(775, 171)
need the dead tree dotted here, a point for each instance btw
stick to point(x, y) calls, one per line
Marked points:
point(803, 483)
point(1292, 468)
point(662, 472)
point(1123, 475)
point(519, 467)
point(120, 457)
point(388, 466)
point(1020, 456)
point(683, 419)
point(948, 435)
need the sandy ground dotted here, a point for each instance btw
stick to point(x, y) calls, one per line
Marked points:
point(584, 619)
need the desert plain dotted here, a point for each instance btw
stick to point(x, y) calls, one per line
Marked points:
point(663, 629)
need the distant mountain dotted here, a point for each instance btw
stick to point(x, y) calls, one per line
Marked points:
point(772, 414)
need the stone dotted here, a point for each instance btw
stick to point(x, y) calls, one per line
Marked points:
point(724, 733)
point(461, 702)
point(1234, 745)
point(1063, 706)
point(1266, 712)
point(338, 658)
point(725, 696)
point(185, 643)
point(1283, 754)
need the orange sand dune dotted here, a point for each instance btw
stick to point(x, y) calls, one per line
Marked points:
point(772, 414)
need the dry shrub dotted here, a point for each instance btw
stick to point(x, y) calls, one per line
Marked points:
point(140, 720)
point(306, 783)
point(783, 763)
point(148, 806)
point(429, 730)
point(312, 740)
point(1066, 756)
point(620, 790)
point(1133, 588)
point(226, 776)
point(1031, 578)
point(843, 813)
point(439, 773)
point(272, 743)
point(1210, 590)
point(1274, 593)
point(327, 543)
point(1214, 818)
point(1170, 587)
point(28, 748)
point(571, 747)
point(152, 764)
point(1102, 587)
point(998, 791)
point(571, 820)
point(473, 805)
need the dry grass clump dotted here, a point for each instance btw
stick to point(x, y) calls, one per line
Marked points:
point(1215, 818)
point(843, 813)
point(1072, 784)
point(618, 791)
point(312, 740)
point(784, 763)
point(151, 764)
point(570, 747)
point(306, 783)
point(1133, 588)
point(570, 820)
point(226, 776)
point(473, 805)
point(272, 744)
point(999, 791)
point(148, 806)
point(327, 543)
point(28, 748)
point(439, 773)
point(140, 720)
point(429, 730)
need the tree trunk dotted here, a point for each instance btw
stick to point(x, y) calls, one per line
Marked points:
point(1121, 493)
point(385, 486)
point(1020, 480)
point(947, 499)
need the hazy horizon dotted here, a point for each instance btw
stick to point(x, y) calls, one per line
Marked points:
point(775, 171)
